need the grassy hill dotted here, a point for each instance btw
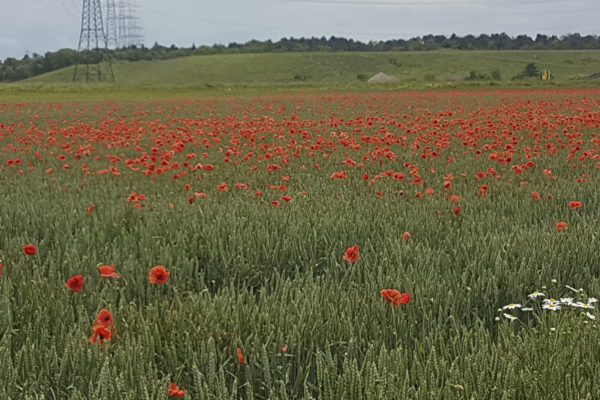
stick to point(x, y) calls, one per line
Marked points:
point(343, 70)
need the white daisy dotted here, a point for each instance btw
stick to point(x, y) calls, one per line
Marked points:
point(590, 316)
point(592, 300)
point(583, 305)
point(511, 306)
point(566, 300)
point(551, 301)
point(510, 317)
point(551, 306)
point(535, 294)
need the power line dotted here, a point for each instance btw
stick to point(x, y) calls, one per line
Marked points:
point(429, 2)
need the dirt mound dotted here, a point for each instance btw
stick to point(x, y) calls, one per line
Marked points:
point(383, 78)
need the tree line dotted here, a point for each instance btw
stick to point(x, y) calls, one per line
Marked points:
point(12, 69)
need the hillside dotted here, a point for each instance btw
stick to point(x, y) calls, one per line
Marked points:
point(347, 69)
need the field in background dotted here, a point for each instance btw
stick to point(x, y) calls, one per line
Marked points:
point(251, 203)
point(346, 70)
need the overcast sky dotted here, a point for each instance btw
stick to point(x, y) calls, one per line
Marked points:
point(38, 26)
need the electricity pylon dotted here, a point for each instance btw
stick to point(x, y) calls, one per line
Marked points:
point(93, 44)
point(112, 39)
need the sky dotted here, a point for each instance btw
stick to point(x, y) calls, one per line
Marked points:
point(38, 26)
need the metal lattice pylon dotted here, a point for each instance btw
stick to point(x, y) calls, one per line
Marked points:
point(112, 38)
point(93, 44)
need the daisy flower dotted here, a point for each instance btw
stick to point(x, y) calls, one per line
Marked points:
point(510, 317)
point(583, 305)
point(535, 294)
point(592, 300)
point(511, 306)
point(551, 301)
point(566, 300)
point(551, 306)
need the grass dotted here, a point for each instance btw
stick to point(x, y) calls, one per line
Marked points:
point(247, 274)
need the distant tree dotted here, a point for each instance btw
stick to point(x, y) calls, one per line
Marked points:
point(531, 70)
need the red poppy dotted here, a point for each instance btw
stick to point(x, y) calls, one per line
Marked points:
point(406, 236)
point(286, 198)
point(90, 209)
point(0, 269)
point(75, 283)
point(275, 203)
point(456, 211)
point(575, 205)
point(108, 271)
point(562, 226)
point(241, 356)
point(30, 249)
point(100, 332)
point(105, 318)
point(536, 195)
point(175, 391)
point(395, 297)
point(159, 275)
point(352, 253)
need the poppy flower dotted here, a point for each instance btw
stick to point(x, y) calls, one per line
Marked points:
point(241, 356)
point(159, 275)
point(536, 195)
point(105, 318)
point(395, 297)
point(575, 205)
point(406, 236)
point(75, 283)
point(175, 391)
point(352, 253)
point(90, 209)
point(108, 271)
point(100, 332)
point(30, 249)
point(0, 269)
point(456, 211)
point(286, 198)
point(562, 226)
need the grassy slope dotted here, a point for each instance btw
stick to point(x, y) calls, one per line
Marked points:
point(340, 70)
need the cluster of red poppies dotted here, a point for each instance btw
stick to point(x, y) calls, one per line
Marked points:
point(392, 295)
point(105, 329)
